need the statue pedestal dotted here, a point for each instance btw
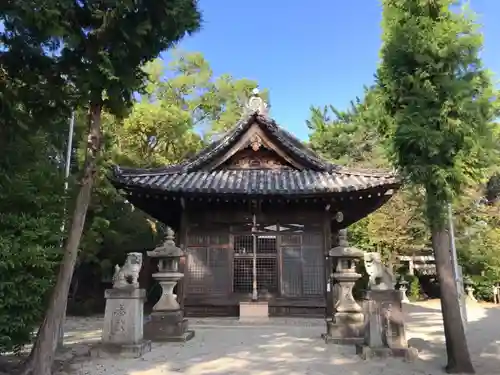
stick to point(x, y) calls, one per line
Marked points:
point(122, 333)
point(385, 333)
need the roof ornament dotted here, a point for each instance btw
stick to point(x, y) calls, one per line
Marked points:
point(256, 103)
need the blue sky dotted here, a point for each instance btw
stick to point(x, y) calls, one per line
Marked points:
point(307, 53)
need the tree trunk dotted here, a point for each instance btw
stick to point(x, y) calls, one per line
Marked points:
point(456, 342)
point(43, 352)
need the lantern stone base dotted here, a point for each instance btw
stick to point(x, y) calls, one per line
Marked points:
point(109, 350)
point(345, 329)
point(365, 352)
point(254, 311)
point(168, 326)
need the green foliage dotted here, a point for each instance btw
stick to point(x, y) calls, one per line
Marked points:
point(398, 227)
point(414, 288)
point(214, 104)
point(31, 213)
point(439, 98)
point(157, 134)
point(100, 47)
point(483, 287)
point(27, 92)
point(349, 138)
point(334, 132)
point(82, 55)
point(478, 239)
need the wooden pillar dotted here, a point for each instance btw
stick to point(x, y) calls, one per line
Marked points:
point(182, 241)
point(328, 271)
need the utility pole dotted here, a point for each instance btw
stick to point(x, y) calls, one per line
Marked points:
point(67, 167)
point(457, 269)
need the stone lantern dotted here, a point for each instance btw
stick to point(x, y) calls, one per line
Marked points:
point(346, 324)
point(167, 322)
point(403, 288)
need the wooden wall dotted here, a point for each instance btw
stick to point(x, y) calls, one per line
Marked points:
point(291, 247)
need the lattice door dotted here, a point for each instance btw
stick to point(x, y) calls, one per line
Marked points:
point(264, 242)
point(302, 262)
point(208, 263)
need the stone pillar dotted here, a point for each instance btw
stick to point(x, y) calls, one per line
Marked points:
point(167, 321)
point(122, 332)
point(346, 325)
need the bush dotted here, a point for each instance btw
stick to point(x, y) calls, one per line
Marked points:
point(483, 288)
point(414, 288)
point(31, 208)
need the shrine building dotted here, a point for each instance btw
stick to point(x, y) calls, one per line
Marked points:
point(256, 212)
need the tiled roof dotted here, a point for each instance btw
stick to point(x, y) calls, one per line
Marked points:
point(256, 182)
point(317, 178)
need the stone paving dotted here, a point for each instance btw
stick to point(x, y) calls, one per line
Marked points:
point(287, 347)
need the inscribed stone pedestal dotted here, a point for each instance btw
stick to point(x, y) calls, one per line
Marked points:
point(122, 332)
point(385, 334)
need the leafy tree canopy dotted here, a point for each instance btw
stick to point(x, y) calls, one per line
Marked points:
point(438, 97)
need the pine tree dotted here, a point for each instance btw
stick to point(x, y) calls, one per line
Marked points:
point(441, 103)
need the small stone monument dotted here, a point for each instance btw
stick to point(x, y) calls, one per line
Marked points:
point(385, 333)
point(122, 333)
point(167, 321)
point(346, 326)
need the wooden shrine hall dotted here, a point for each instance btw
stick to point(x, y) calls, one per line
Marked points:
point(256, 212)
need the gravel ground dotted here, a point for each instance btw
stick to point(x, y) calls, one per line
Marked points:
point(287, 347)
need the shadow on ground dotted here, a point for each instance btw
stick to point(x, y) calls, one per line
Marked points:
point(289, 347)
point(425, 332)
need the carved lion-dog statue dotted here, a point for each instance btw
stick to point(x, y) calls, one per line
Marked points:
point(380, 277)
point(127, 276)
